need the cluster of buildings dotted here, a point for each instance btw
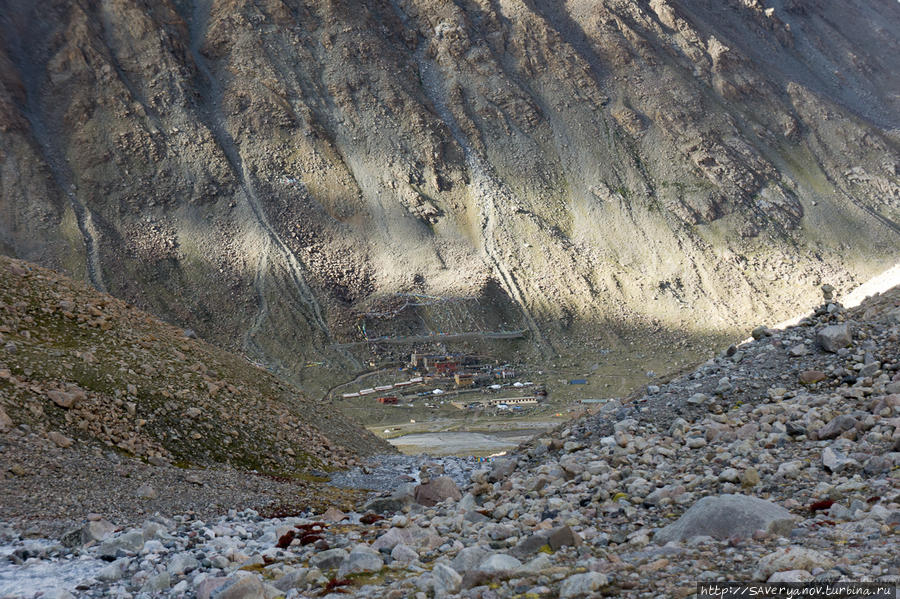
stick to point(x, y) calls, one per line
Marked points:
point(466, 372)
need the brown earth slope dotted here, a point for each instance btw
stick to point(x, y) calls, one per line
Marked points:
point(85, 368)
point(287, 175)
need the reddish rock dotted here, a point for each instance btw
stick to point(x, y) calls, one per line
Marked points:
point(810, 377)
point(436, 491)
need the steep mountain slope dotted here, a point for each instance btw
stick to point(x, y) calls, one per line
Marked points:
point(84, 367)
point(289, 176)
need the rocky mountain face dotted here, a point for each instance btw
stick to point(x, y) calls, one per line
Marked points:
point(80, 368)
point(289, 177)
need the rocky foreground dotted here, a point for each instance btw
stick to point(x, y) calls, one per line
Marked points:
point(776, 461)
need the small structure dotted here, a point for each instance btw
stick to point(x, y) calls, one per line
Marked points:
point(446, 367)
point(504, 373)
point(507, 401)
point(464, 380)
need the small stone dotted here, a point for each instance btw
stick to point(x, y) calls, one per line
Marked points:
point(62, 398)
point(469, 558)
point(248, 587)
point(114, 571)
point(790, 558)
point(729, 475)
point(361, 559)
point(159, 582)
point(760, 332)
point(501, 469)
point(447, 581)
point(404, 554)
point(6, 422)
point(328, 559)
point(499, 562)
point(563, 536)
point(798, 350)
point(130, 542)
point(836, 426)
point(209, 586)
point(580, 585)
point(293, 580)
point(750, 477)
point(333, 514)
point(182, 563)
point(836, 462)
point(59, 439)
point(146, 491)
point(810, 377)
point(791, 576)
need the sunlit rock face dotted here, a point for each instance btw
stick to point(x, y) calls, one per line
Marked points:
point(289, 178)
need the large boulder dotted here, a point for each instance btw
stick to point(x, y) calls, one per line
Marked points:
point(436, 491)
point(413, 536)
point(402, 496)
point(330, 558)
point(93, 531)
point(502, 468)
point(469, 558)
point(128, 542)
point(362, 559)
point(446, 580)
point(726, 516)
point(834, 337)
